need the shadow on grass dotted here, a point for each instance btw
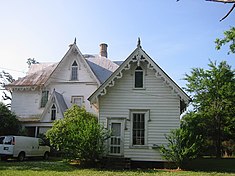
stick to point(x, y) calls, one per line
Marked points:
point(64, 166)
point(37, 165)
point(212, 165)
point(60, 165)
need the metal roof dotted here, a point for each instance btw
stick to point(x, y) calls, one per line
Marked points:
point(101, 73)
point(61, 102)
point(38, 74)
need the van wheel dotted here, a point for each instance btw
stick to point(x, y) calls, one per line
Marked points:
point(46, 156)
point(21, 156)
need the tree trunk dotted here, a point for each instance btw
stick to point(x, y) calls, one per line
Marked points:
point(218, 137)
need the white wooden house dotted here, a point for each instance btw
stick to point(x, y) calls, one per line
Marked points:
point(49, 89)
point(140, 103)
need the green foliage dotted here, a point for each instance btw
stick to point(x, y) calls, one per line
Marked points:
point(31, 61)
point(196, 124)
point(213, 96)
point(10, 125)
point(6, 78)
point(79, 135)
point(181, 147)
point(229, 37)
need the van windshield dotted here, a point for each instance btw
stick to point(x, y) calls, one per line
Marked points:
point(1, 139)
point(6, 139)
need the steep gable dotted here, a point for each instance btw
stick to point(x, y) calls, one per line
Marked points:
point(64, 70)
point(139, 56)
point(58, 100)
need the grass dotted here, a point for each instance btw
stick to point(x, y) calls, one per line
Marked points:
point(60, 168)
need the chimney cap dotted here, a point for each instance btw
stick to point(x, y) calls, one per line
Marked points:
point(104, 44)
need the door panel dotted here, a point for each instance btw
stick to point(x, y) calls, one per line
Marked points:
point(116, 139)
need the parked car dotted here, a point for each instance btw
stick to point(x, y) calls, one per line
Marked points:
point(21, 147)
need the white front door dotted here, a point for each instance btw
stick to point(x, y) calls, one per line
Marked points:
point(116, 139)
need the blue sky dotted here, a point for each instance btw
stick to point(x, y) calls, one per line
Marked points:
point(177, 35)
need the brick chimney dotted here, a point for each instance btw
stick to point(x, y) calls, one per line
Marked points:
point(103, 50)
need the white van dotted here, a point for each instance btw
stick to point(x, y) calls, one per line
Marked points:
point(21, 147)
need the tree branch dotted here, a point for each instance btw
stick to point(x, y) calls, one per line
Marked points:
point(228, 13)
point(223, 1)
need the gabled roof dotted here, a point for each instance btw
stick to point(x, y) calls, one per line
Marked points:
point(57, 99)
point(36, 77)
point(73, 48)
point(99, 67)
point(100, 72)
point(138, 56)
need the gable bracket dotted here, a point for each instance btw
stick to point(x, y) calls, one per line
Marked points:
point(138, 58)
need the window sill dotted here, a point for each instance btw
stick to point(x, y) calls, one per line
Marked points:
point(139, 147)
point(138, 88)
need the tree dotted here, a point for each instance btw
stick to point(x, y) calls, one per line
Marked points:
point(10, 125)
point(194, 125)
point(229, 37)
point(31, 61)
point(79, 135)
point(213, 96)
point(6, 78)
point(180, 148)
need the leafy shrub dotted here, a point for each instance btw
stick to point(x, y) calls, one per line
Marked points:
point(179, 148)
point(10, 125)
point(79, 135)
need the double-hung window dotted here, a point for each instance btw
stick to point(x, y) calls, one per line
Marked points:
point(74, 71)
point(138, 130)
point(139, 78)
point(78, 100)
point(44, 98)
point(139, 120)
point(53, 112)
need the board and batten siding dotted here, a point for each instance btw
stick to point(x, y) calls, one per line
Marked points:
point(158, 98)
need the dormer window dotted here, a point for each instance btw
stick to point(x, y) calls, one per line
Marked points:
point(53, 112)
point(74, 71)
point(139, 77)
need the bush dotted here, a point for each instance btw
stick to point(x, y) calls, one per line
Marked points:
point(180, 149)
point(78, 135)
point(10, 125)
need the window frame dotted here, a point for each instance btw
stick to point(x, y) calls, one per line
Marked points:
point(74, 71)
point(139, 69)
point(53, 112)
point(44, 98)
point(146, 113)
point(79, 97)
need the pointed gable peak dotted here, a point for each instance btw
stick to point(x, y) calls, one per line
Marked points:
point(139, 43)
point(74, 42)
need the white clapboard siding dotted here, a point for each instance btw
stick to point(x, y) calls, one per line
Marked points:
point(26, 104)
point(157, 97)
point(76, 89)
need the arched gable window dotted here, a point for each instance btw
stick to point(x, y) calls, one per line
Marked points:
point(74, 71)
point(53, 112)
point(139, 77)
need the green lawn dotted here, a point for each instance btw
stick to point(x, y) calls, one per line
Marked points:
point(47, 168)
